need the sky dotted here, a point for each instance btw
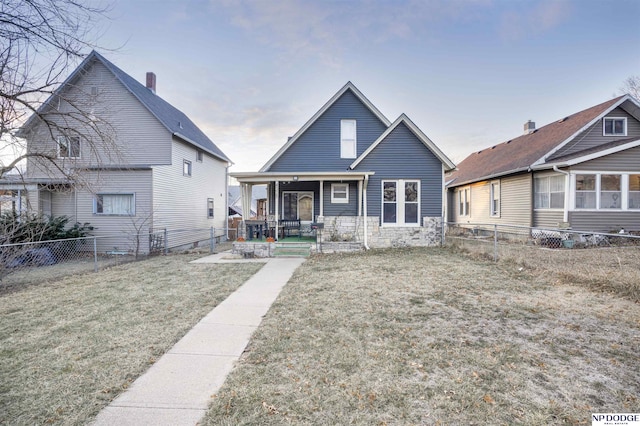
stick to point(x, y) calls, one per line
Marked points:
point(468, 73)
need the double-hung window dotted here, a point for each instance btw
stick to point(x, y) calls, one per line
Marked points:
point(634, 191)
point(548, 192)
point(114, 204)
point(495, 198)
point(210, 208)
point(464, 201)
point(586, 191)
point(401, 202)
point(340, 193)
point(614, 126)
point(610, 191)
point(348, 142)
point(68, 147)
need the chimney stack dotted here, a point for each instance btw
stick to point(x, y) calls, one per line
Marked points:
point(529, 127)
point(151, 81)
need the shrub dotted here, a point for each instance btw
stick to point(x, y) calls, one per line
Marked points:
point(26, 228)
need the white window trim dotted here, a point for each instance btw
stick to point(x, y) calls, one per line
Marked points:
point(467, 212)
point(624, 191)
point(335, 200)
point(213, 205)
point(59, 146)
point(399, 204)
point(354, 141)
point(493, 213)
point(133, 203)
point(190, 169)
point(549, 209)
point(624, 125)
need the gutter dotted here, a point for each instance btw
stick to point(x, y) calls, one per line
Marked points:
point(565, 213)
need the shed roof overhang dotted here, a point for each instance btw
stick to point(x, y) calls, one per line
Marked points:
point(266, 177)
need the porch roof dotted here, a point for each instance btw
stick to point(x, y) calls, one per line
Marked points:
point(265, 177)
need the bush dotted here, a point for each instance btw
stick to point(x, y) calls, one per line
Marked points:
point(27, 228)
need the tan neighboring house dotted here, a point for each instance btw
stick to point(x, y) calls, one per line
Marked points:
point(161, 171)
point(582, 171)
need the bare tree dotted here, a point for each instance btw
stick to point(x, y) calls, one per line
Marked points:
point(631, 86)
point(40, 42)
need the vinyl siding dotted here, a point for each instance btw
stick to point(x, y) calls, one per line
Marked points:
point(118, 230)
point(624, 161)
point(604, 221)
point(180, 202)
point(547, 218)
point(339, 209)
point(401, 155)
point(592, 137)
point(137, 136)
point(515, 202)
point(318, 149)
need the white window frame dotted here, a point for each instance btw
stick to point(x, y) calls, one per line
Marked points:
point(210, 208)
point(624, 191)
point(187, 168)
point(339, 188)
point(464, 205)
point(348, 138)
point(624, 126)
point(400, 203)
point(103, 194)
point(629, 191)
point(64, 141)
point(548, 177)
point(494, 187)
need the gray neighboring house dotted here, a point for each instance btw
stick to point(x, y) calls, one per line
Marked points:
point(367, 179)
point(166, 172)
point(581, 171)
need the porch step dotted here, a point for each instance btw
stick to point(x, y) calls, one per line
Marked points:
point(292, 250)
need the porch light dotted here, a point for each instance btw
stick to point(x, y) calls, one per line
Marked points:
point(295, 178)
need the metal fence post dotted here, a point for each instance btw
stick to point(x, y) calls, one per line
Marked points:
point(95, 254)
point(166, 241)
point(495, 243)
point(212, 242)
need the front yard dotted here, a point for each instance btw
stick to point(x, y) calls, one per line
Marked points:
point(427, 336)
point(69, 346)
point(402, 336)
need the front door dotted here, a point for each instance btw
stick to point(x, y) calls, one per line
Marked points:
point(297, 205)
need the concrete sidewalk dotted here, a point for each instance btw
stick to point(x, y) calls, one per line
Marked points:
point(176, 390)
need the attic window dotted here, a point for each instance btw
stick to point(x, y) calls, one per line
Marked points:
point(348, 141)
point(614, 126)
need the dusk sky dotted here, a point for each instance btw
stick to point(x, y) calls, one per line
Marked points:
point(468, 73)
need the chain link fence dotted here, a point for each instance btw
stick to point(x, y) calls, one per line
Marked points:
point(26, 263)
point(608, 261)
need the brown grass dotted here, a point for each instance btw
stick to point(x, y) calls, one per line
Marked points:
point(426, 336)
point(69, 346)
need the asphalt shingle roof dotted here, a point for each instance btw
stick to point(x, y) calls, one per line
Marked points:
point(519, 153)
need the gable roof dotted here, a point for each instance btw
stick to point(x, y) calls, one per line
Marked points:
point(530, 150)
point(403, 119)
point(174, 120)
point(349, 86)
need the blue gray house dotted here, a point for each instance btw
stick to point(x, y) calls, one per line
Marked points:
point(367, 179)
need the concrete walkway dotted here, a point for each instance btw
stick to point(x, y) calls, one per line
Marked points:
point(177, 389)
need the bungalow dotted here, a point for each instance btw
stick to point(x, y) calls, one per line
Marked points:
point(581, 171)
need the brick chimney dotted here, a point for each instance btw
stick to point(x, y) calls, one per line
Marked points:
point(151, 81)
point(529, 127)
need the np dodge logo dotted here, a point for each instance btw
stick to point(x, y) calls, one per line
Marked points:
point(615, 419)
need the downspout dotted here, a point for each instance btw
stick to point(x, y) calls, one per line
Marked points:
point(565, 213)
point(226, 201)
point(364, 193)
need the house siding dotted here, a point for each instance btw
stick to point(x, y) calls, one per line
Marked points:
point(515, 202)
point(547, 218)
point(604, 221)
point(401, 155)
point(338, 209)
point(180, 202)
point(624, 161)
point(592, 137)
point(139, 137)
point(318, 148)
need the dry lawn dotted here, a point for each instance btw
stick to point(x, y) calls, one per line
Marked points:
point(69, 346)
point(428, 336)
